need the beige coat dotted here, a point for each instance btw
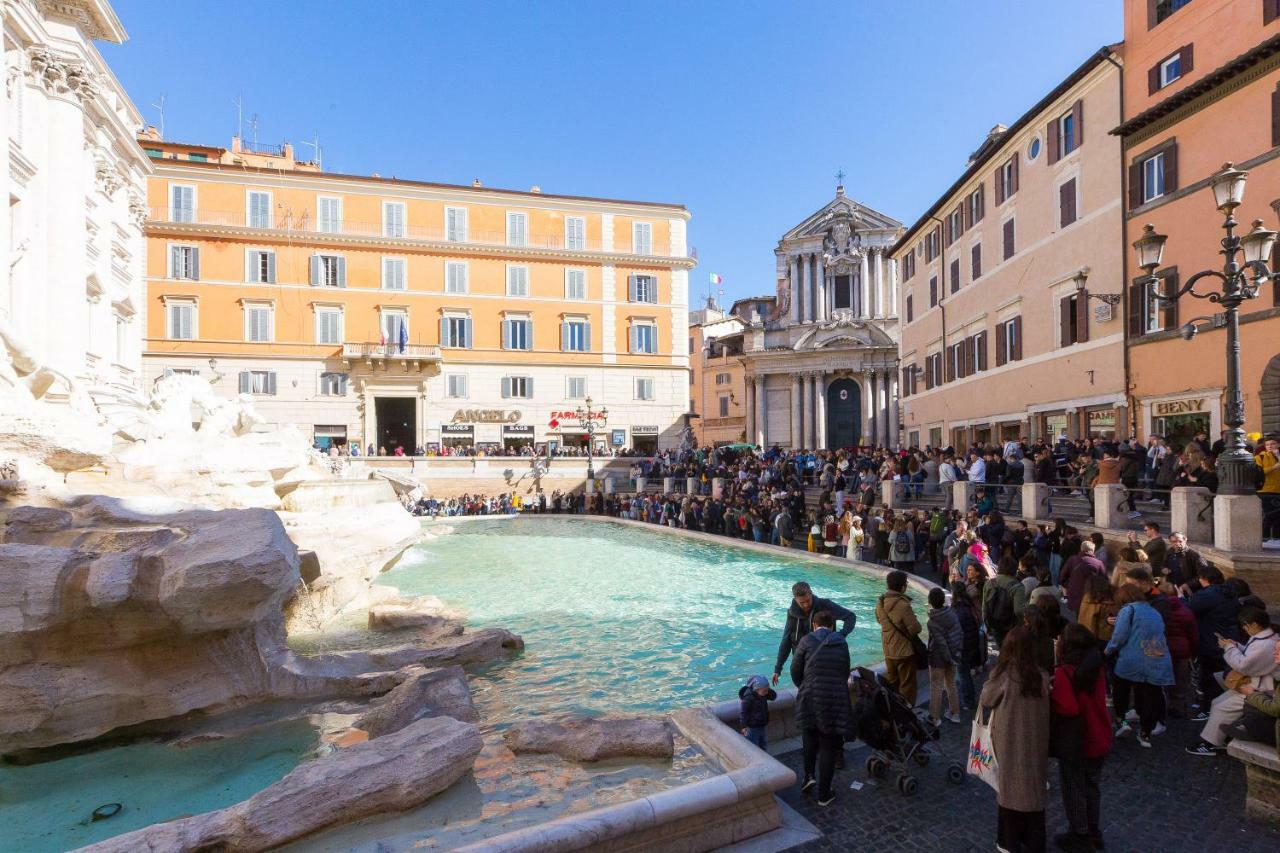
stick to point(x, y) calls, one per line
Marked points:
point(894, 608)
point(1020, 735)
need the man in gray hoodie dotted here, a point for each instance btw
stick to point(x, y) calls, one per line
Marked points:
point(946, 649)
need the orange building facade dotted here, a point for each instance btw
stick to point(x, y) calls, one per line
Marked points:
point(394, 313)
point(1202, 86)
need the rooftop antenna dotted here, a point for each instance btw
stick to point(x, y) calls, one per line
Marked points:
point(239, 102)
point(316, 146)
point(160, 107)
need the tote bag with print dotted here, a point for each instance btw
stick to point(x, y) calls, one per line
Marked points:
point(982, 753)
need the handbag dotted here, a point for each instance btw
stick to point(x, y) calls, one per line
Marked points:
point(919, 650)
point(1066, 737)
point(1233, 679)
point(982, 752)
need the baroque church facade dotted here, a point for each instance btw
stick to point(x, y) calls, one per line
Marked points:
point(821, 362)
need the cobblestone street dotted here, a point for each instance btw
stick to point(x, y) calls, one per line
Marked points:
point(1152, 800)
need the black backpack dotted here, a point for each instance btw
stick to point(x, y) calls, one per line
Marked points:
point(999, 607)
point(902, 543)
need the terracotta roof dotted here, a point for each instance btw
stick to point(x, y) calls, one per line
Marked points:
point(1208, 82)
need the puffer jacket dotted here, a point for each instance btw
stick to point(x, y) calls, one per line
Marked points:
point(753, 709)
point(896, 618)
point(946, 639)
point(820, 668)
point(1180, 629)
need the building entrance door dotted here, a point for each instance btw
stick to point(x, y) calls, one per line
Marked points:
point(844, 413)
point(397, 423)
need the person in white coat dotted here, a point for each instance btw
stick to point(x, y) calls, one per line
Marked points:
point(1254, 660)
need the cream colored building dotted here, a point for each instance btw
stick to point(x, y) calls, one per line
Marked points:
point(998, 339)
point(75, 183)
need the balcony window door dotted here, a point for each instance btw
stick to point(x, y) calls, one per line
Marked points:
point(182, 203)
point(329, 215)
point(259, 213)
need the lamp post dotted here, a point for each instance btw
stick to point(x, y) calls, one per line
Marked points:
point(586, 415)
point(1235, 463)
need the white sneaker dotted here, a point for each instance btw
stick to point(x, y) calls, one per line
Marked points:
point(954, 718)
point(1271, 544)
point(1123, 729)
point(1160, 729)
point(1131, 716)
point(1135, 514)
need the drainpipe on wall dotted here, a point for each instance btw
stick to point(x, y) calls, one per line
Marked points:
point(942, 293)
point(1129, 401)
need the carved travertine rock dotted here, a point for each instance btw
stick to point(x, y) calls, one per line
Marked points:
point(423, 693)
point(591, 739)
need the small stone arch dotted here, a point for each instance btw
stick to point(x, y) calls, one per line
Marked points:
point(1269, 395)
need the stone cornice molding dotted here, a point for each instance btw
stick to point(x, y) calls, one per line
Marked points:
point(95, 20)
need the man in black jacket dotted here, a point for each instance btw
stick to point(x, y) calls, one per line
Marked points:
point(804, 605)
point(821, 671)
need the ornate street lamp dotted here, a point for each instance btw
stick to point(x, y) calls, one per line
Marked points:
point(1235, 475)
point(586, 415)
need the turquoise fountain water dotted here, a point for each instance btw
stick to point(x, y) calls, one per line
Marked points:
point(618, 619)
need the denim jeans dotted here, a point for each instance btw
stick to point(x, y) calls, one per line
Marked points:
point(756, 734)
point(968, 693)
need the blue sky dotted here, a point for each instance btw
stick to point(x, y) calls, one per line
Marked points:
point(741, 111)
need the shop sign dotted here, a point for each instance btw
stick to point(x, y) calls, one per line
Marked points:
point(1179, 407)
point(486, 416)
point(519, 429)
point(1102, 419)
point(573, 416)
point(457, 429)
point(618, 437)
point(644, 430)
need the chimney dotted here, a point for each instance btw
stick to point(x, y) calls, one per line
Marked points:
point(476, 183)
point(376, 175)
point(236, 145)
point(150, 133)
point(535, 189)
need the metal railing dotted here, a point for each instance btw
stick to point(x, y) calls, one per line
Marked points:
point(1146, 504)
point(261, 148)
point(306, 223)
point(391, 350)
point(1006, 497)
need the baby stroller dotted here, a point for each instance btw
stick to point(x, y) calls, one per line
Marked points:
point(896, 733)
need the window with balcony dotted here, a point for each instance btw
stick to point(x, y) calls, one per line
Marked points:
point(642, 238)
point(455, 277)
point(184, 262)
point(645, 389)
point(575, 335)
point(393, 274)
point(262, 382)
point(517, 333)
point(455, 331)
point(644, 338)
point(182, 203)
point(455, 224)
point(517, 229)
point(456, 386)
point(329, 215)
point(575, 233)
point(333, 384)
point(395, 325)
point(393, 219)
point(519, 387)
point(575, 388)
point(180, 318)
point(575, 285)
point(328, 271)
point(257, 322)
point(260, 266)
point(642, 288)
point(328, 325)
point(259, 209)
point(517, 281)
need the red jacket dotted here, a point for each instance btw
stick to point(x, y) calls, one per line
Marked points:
point(1092, 705)
point(1180, 629)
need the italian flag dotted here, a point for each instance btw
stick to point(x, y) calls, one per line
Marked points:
point(715, 279)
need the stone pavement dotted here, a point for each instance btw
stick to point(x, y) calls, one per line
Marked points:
point(1152, 800)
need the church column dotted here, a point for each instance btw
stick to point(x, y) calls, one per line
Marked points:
point(795, 290)
point(891, 267)
point(806, 298)
point(806, 395)
point(873, 387)
point(864, 281)
point(820, 407)
point(887, 401)
point(749, 424)
point(877, 283)
point(762, 412)
point(797, 391)
point(825, 299)
point(893, 408)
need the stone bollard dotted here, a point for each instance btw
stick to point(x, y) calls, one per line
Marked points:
point(608, 485)
point(641, 484)
point(962, 494)
point(1191, 512)
point(691, 485)
point(891, 494)
point(1106, 507)
point(589, 486)
point(1035, 496)
point(717, 488)
point(668, 485)
point(1237, 523)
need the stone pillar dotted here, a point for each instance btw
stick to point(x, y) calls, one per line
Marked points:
point(608, 485)
point(1035, 496)
point(824, 298)
point(892, 267)
point(797, 393)
point(749, 422)
point(668, 485)
point(864, 284)
point(717, 487)
point(820, 408)
point(1191, 511)
point(876, 308)
point(690, 485)
point(642, 483)
point(891, 383)
point(589, 486)
point(891, 494)
point(793, 266)
point(963, 492)
point(1106, 507)
point(762, 407)
point(806, 286)
point(806, 394)
point(869, 400)
point(1237, 522)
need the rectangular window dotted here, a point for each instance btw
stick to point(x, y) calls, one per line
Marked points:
point(644, 389)
point(257, 382)
point(455, 277)
point(1008, 240)
point(456, 386)
point(644, 338)
point(395, 325)
point(1006, 180)
point(517, 333)
point(1067, 133)
point(1165, 8)
point(517, 281)
point(1152, 178)
point(1073, 319)
point(455, 331)
point(329, 215)
point(520, 387)
point(955, 224)
point(259, 209)
point(328, 271)
point(333, 384)
point(644, 288)
point(955, 275)
point(933, 291)
point(722, 379)
point(455, 224)
point(931, 245)
point(1067, 203)
point(198, 157)
point(181, 320)
point(724, 407)
point(1009, 341)
point(260, 266)
point(642, 238)
point(1170, 69)
point(182, 203)
point(184, 262)
point(976, 211)
point(517, 229)
point(393, 274)
point(576, 388)
point(576, 335)
point(910, 311)
point(575, 233)
point(975, 262)
point(329, 325)
point(575, 284)
point(393, 219)
point(257, 323)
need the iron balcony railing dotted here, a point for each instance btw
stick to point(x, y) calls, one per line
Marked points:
point(308, 224)
point(262, 148)
point(416, 352)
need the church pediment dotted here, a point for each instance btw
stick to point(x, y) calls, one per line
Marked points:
point(845, 211)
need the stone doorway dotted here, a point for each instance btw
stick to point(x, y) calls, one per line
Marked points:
point(844, 413)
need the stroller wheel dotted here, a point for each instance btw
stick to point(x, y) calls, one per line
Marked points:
point(907, 785)
point(921, 757)
point(955, 774)
point(876, 766)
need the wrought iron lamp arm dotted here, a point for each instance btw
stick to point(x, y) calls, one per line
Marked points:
point(1153, 282)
